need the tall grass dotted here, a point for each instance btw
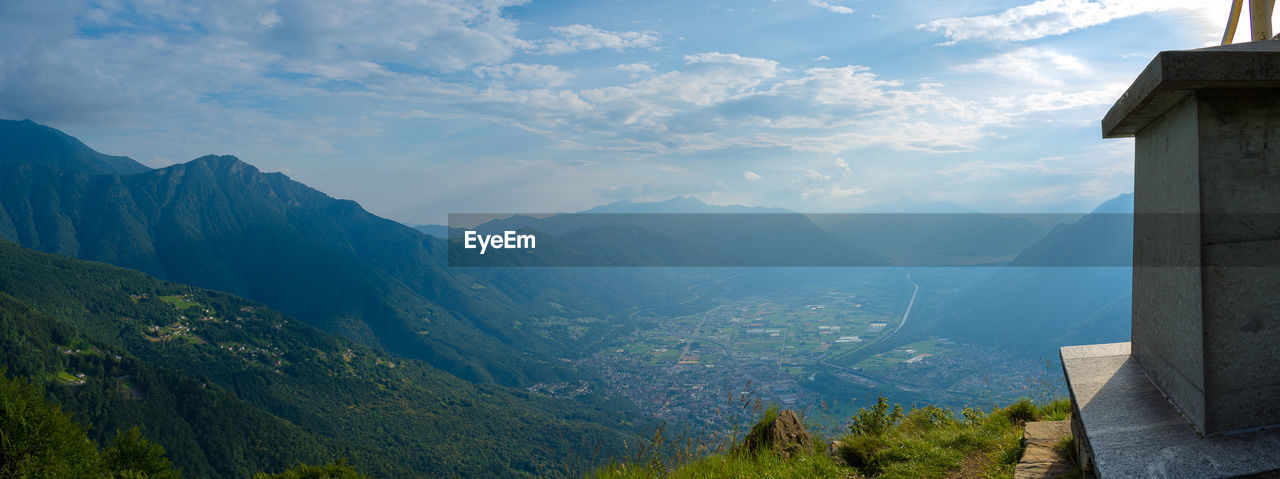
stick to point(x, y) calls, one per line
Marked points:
point(881, 440)
point(933, 442)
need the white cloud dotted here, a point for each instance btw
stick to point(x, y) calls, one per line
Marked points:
point(751, 175)
point(719, 101)
point(538, 75)
point(841, 9)
point(575, 38)
point(1033, 65)
point(1046, 18)
point(637, 68)
point(162, 57)
point(821, 58)
point(819, 185)
point(1059, 100)
point(841, 192)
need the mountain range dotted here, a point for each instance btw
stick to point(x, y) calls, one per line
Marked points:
point(363, 342)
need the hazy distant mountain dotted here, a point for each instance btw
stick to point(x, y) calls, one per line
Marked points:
point(1103, 237)
point(438, 231)
point(30, 143)
point(1039, 308)
point(679, 204)
point(914, 239)
point(1122, 204)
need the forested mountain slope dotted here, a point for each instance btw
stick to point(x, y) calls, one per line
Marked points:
point(230, 387)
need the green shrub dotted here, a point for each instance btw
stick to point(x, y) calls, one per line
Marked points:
point(37, 439)
point(876, 419)
point(928, 417)
point(1056, 410)
point(130, 453)
point(1021, 411)
point(858, 450)
point(930, 442)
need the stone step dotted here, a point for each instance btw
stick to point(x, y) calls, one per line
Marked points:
point(1039, 460)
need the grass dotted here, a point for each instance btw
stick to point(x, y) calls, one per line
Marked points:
point(932, 442)
point(1024, 410)
point(882, 441)
point(1066, 449)
point(1055, 410)
point(66, 377)
point(178, 302)
point(763, 464)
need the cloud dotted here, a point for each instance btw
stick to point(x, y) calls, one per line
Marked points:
point(449, 35)
point(1038, 66)
point(843, 167)
point(576, 38)
point(640, 67)
point(1096, 173)
point(538, 75)
point(721, 101)
point(819, 185)
point(1046, 18)
point(1059, 100)
point(635, 70)
point(821, 58)
point(841, 192)
point(118, 61)
point(751, 175)
point(841, 9)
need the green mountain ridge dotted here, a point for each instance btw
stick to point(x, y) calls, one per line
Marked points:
point(229, 387)
point(219, 223)
point(31, 143)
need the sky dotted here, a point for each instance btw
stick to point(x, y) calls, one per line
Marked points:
point(421, 108)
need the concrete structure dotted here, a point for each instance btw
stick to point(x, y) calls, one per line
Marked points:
point(1206, 281)
point(1124, 426)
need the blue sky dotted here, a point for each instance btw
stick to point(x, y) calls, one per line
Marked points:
point(420, 108)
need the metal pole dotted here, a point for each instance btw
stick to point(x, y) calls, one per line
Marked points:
point(1260, 18)
point(1232, 20)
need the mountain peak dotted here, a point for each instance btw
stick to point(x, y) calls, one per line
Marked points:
point(1119, 205)
point(30, 143)
point(221, 162)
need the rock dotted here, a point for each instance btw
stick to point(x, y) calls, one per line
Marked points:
point(833, 451)
point(785, 435)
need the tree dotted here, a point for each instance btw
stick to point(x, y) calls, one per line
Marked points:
point(336, 470)
point(37, 439)
point(130, 454)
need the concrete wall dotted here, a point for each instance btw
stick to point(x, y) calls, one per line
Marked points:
point(1239, 134)
point(1207, 192)
point(1167, 326)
